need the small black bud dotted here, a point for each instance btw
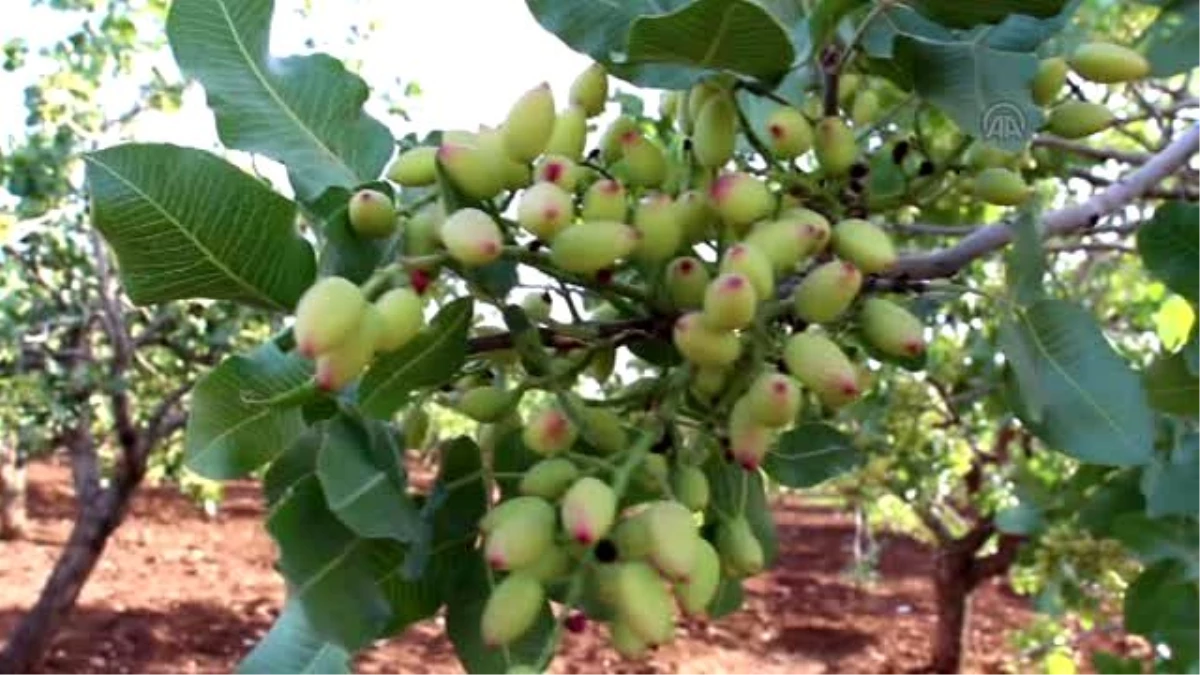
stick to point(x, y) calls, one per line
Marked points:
point(899, 151)
point(687, 144)
point(926, 168)
point(606, 551)
point(859, 170)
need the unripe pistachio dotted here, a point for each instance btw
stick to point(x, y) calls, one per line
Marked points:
point(652, 475)
point(487, 404)
point(421, 232)
point(604, 200)
point(549, 432)
point(709, 381)
point(673, 538)
point(569, 135)
point(690, 487)
point(1001, 187)
point(821, 365)
point(1107, 63)
point(643, 603)
point(529, 124)
point(729, 302)
point(784, 242)
point(401, 318)
point(471, 169)
point(698, 591)
point(603, 363)
point(603, 430)
point(749, 441)
point(848, 86)
point(643, 162)
point(697, 97)
point(589, 247)
point(520, 537)
point(537, 306)
point(863, 243)
point(740, 551)
point(343, 363)
point(511, 609)
point(627, 643)
point(659, 222)
point(554, 564)
point(749, 261)
point(415, 427)
point(372, 214)
point(589, 91)
point(544, 210)
point(472, 237)
point(835, 146)
point(1049, 80)
point(716, 132)
point(892, 329)
point(866, 104)
point(773, 399)
point(588, 510)
point(702, 345)
point(827, 291)
point(327, 314)
point(740, 199)
point(611, 149)
point(983, 155)
point(699, 216)
point(526, 508)
point(549, 478)
point(1078, 119)
point(686, 280)
point(789, 134)
point(668, 105)
point(416, 167)
point(816, 227)
point(513, 174)
point(559, 170)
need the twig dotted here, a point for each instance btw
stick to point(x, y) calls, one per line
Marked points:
point(947, 262)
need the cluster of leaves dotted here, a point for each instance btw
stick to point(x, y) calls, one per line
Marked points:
point(363, 554)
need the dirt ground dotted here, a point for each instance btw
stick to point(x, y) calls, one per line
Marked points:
point(177, 591)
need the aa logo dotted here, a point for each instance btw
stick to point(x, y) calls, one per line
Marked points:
point(1003, 121)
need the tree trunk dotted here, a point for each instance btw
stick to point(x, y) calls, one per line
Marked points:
point(952, 581)
point(98, 518)
point(12, 492)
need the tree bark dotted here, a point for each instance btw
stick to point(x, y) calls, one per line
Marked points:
point(98, 517)
point(952, 586)
point(12, 492)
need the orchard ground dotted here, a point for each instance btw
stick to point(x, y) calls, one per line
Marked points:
point(177, 591)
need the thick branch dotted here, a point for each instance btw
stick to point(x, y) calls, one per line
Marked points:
point(629, 329)
point(947, 262)
point(996, 563)
point(1091, 151)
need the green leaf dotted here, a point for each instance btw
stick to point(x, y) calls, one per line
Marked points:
point(1170, 247)
point(1161, 605)
point(527, 341)
point(298, 461)
point(1158, 539)
point(737, 491)
point(455, 504)
point(329, 570)
point(1093, 404)
point(1170, 42)
point(980, 79)
point(656, 351)
point(1171, 388)
point(464, 611)
point(716, 35)
point(512, 457)
point(1191, 350)
point(496, 278)
point(729, 598)
point(811, 454)
point(293, 646)
point(1024, 519)
point(958, 14)
point(303, 111)
point(410, 600)
point(1107, 662)
point(1025, 369)
point(361, 471)
point(185, 223)
point(345, 254)
point(429, 360)
point(1117, 496)
point(1172, 484)
point(227, 435)
point(1026, 260)
point(823, 21)
point(597, 29)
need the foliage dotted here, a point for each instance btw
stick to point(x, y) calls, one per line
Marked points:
point(1094, 434)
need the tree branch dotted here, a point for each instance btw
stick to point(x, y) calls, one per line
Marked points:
point(996, 563)
point(947, 262)
point(1091, 151)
